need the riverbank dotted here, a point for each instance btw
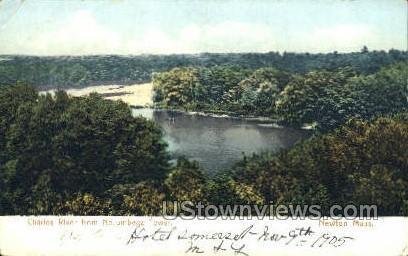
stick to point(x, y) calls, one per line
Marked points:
point(221, 114)
point(265, 121)
point(137, 95)
point(141, 96)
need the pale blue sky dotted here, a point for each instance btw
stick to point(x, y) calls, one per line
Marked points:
point(65, 27)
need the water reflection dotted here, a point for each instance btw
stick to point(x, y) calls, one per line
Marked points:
point(216, 143)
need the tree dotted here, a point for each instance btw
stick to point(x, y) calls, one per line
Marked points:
point(381, 93)
point(57, 146)
point(176, 87)
point(84, 204)
point(186, 182)
point(258, 93)
point(224, 191)
point(317, 97)
point(362, 162)
point(143, 198)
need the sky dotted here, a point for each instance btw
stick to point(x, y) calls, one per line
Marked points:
point(86, 27)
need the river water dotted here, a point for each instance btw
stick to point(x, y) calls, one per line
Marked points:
point(216, 142)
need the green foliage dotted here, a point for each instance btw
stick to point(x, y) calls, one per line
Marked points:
point(80, 71)
point(225, 88)
point(10, 100)
point(90, 156)
point(324, 99)
point(381, 93)
point(186, 182)
point(177, 87)
point(217, 81)
point(84, 204)
point(317, 97)
point(57, 146)
point(223, 190)
point(362, 163)
point(257, 93)
point(193, 88)
point(329, 99)
point(144, 198)
point(138, 199)
point(383, 187)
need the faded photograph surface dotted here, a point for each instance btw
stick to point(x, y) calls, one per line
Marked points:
point(204, 109)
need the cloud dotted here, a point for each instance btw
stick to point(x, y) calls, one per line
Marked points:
point(82, 34)
point(235, 37)
point(222, 37)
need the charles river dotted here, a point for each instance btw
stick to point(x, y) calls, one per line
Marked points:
point(218, 142)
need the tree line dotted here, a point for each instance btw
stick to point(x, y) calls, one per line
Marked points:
point(325, 99)
point(80, 71)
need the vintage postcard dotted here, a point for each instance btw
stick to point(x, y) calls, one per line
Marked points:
point(203, 127)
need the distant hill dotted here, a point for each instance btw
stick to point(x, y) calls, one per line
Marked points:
point(81, 71)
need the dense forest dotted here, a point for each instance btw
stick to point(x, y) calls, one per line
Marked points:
point(90, 156)
point(325, 99)
point(362, 162)
point(80, 71)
